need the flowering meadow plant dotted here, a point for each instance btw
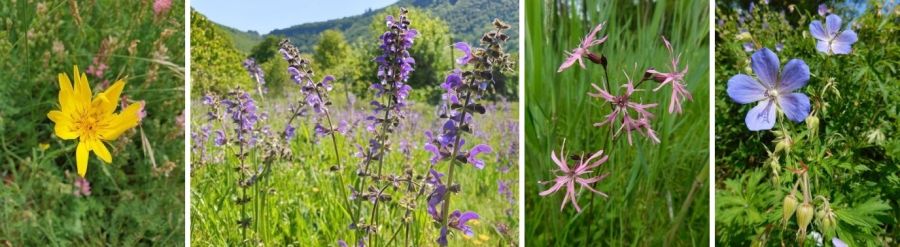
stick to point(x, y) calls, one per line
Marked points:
point(320, 163)
point(92, 123)
point(809, 161)
point(615, 88)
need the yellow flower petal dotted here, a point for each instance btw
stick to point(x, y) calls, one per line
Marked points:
point(65, 92)
point(100, 150)
point(64, 131)
point(111, 96)
point(81, 158)
point(121, 122)
point(82, 89)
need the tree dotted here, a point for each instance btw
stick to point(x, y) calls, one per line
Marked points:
point(331, 51)
point(215, 63)
point(265, 50)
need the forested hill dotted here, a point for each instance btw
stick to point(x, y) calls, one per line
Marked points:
point(468, 19)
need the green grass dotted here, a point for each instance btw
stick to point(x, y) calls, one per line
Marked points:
point(137, 200)
point(304, 205)
point(657, 192)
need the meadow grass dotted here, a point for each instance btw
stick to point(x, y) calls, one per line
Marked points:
point(657, 192)
point(303, 204)
point(138, 199)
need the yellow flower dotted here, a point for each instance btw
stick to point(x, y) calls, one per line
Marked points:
point(92, 121)
point(44, 146)
point(483, 237)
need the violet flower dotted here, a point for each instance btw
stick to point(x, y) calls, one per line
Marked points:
point(467, 53)
point(573, 175)
point(220, 138)
point(674, 78)
point(831, 40)
point(774, 90)
point(472, 157)
point(582, 50)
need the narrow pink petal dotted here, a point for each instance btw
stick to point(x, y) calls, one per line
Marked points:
point(556, 187)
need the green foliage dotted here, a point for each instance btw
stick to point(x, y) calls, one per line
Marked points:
point(467, 19)
point(851, 154)
point(215, 63)
point(266, 50)
point(243, 41)
point(657, 192)
point(137, 200)
point(331, 51)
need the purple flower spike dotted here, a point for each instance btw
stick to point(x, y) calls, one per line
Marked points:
point(582, 50)
point(774, 90)
point(472, 157)
point(467, 51)
point(831, 39)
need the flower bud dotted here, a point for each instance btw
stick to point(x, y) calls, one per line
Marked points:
point(804, 215)
point(601, 60)
point(788, 207)
point(812, 122)
point(827, 220)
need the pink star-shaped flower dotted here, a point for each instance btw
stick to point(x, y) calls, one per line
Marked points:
point(573, 175)
point(582, 50)
point(674, 78)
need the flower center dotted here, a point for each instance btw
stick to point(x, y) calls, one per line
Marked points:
point(88, 124)
point(772, 93)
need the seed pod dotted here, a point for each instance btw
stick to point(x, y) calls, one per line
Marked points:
point(804, 215)
point(788, 207)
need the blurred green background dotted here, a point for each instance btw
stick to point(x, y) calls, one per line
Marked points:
point(137, 200)
point(657, 192)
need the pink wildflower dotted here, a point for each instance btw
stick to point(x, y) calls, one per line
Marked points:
point(621, 106)
point(571, 176)
point(675, 78)
point(160, 6)
point(582, 51)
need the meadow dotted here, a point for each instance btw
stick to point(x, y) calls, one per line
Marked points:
point(294, 178)
point(138, 198)
point(656, 191)
point(826, 175)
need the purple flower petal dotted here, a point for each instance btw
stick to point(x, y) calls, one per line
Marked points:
point(817, 30)
point(467, 53)
point(832, 25)
point(761, 117)
point(766, 66)
point(822, 46)
point(838, 243)
point(795, 106)
point(794, 76)
point(472, 157)
point(841, 44)
point(744, 89)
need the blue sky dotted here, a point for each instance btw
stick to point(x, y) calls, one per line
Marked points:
point(265, 15)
